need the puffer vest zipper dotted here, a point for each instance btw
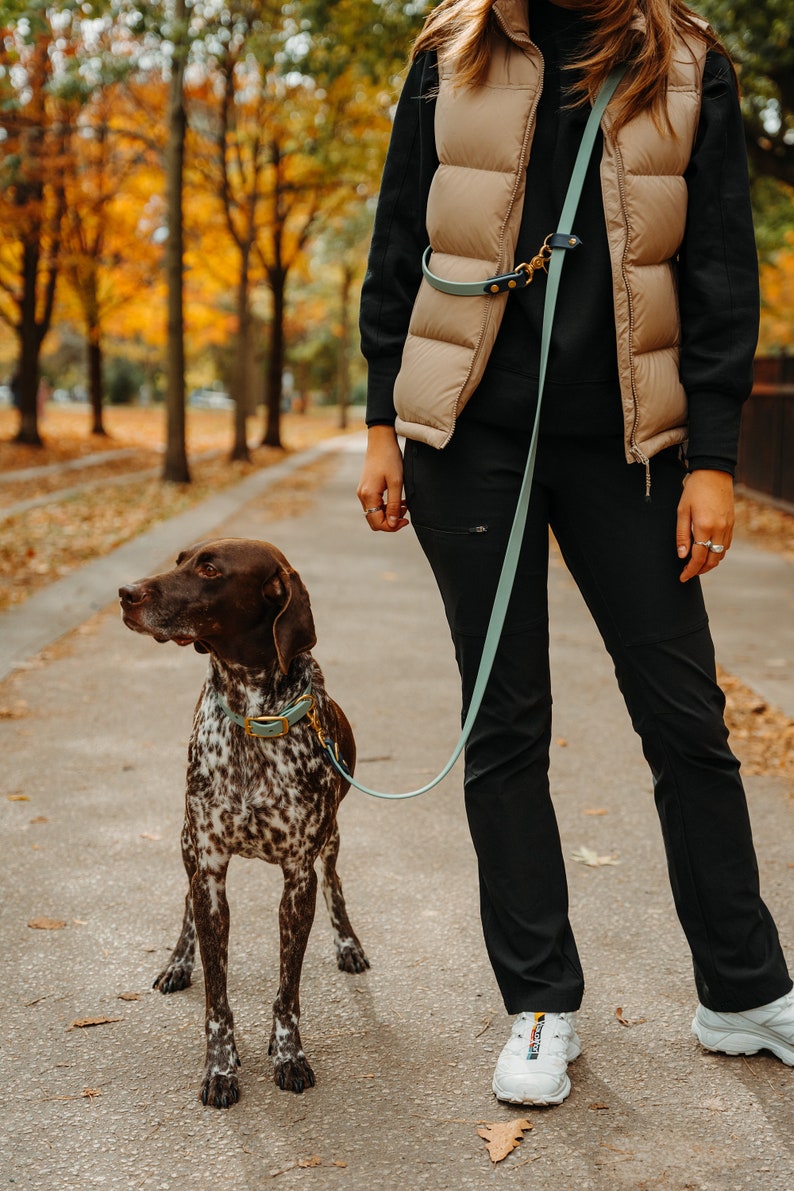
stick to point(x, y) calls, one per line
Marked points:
point(483, 139)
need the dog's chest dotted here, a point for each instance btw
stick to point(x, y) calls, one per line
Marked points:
point(271, 798)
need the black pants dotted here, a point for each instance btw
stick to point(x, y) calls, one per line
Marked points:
point(621, 552)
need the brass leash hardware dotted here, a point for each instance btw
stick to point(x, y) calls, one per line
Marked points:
point(540, 261)
point(314, 720)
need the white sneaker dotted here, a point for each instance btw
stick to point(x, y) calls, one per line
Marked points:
point(532, 1068)
point(770, 1027)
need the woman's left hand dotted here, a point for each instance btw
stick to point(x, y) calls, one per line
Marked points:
point(705, 515)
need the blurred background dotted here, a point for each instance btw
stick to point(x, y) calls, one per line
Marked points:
point(186, 200)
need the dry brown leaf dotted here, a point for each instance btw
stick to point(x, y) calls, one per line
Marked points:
point(14, 713)
point(624, 1021)
point(129, 996)
point(596, 810)
point(17, 798)
point(502, 1137)
point(561, 742)
point(46, 924)
point(82, 1023)
point(599, 1106)
point(305, 1163)
point(587, 856)
point(40, 819)
point(92, 1093)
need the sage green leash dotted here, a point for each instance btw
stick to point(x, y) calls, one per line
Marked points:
point(557, 245)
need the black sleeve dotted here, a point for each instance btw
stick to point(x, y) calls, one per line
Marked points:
point(718, 276)
point(399, 237)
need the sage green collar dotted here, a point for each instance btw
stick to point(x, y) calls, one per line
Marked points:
point(270, 725)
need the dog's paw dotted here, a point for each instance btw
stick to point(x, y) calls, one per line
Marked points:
point(219, 1090)
point(173, 978)
point(350, 957)
point(293, 1075)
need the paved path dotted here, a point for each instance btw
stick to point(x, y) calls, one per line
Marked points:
point(403, 1054)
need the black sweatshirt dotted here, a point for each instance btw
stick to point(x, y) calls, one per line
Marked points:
point(717, 274)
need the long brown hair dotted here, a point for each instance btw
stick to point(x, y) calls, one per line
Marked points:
point(461, 28)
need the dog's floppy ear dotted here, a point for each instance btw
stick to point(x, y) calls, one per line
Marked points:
point(293, 628)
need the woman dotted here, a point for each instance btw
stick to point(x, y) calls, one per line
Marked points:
point(650, 361)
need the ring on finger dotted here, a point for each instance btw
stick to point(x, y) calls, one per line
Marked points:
point(712, 547)
point(375, 509)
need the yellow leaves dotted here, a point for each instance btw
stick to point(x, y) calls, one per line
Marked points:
point(502, 1137)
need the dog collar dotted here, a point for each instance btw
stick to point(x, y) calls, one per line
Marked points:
point(270, 725)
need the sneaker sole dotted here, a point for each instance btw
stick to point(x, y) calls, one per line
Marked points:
point(740, 1042)
point(530, 1102)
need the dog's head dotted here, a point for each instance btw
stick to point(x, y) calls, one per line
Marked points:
point(233, 597)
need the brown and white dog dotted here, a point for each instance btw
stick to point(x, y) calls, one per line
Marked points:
point(275, 798)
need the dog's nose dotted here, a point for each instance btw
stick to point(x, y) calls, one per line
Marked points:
point(133, 593)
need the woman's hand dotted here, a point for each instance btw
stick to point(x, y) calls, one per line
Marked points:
point(705, 514)
point(380, 488)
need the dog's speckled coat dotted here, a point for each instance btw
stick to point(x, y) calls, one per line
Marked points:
point(242, 603)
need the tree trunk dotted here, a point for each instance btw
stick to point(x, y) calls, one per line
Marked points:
point(343, 374)
point(175, 468)
point(94, 364)
point(275, 362)
point(240, 448)
point(29, 345)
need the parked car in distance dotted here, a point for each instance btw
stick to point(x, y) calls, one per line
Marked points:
point(210, 399)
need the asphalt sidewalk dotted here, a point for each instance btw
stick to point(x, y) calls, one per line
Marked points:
point(92, 776)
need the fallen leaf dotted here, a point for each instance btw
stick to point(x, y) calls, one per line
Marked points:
point(592, 859)
point(150, 835)
point(128, 997)
point(82, 1023)
point(598, 1106)
point(92, 1093)
point(14, 713)
point(305, 1163)
point(596, 810)
point(502, 1137)
point(40, 819)
point(561, 742)
point(17, 798)
point(337, 1163)
point(46, 924)
point(624, 1021)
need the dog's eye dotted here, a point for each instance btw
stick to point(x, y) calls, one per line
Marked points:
point(208, 571)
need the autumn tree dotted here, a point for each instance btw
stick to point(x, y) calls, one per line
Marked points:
point(760, 38)
point(109, 256)
point(36, 127)
point(297, 127)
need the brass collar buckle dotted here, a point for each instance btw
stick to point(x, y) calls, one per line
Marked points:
point(266, 719)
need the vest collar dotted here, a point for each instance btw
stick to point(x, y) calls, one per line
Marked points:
point(513, 19)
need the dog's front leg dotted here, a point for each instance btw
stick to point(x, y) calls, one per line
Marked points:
point(291, 1069)
point(219, 1087)
point(179, 969)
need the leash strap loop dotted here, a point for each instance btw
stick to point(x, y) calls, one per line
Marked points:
point(558, 242)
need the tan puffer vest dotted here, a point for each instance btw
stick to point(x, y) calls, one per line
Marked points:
point(483, 139)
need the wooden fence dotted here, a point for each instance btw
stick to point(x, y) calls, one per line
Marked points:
point(766, 443)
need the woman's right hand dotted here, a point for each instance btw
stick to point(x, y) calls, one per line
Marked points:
point(380, 488)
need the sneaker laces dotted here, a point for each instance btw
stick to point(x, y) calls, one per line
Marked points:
point(550, 1032)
